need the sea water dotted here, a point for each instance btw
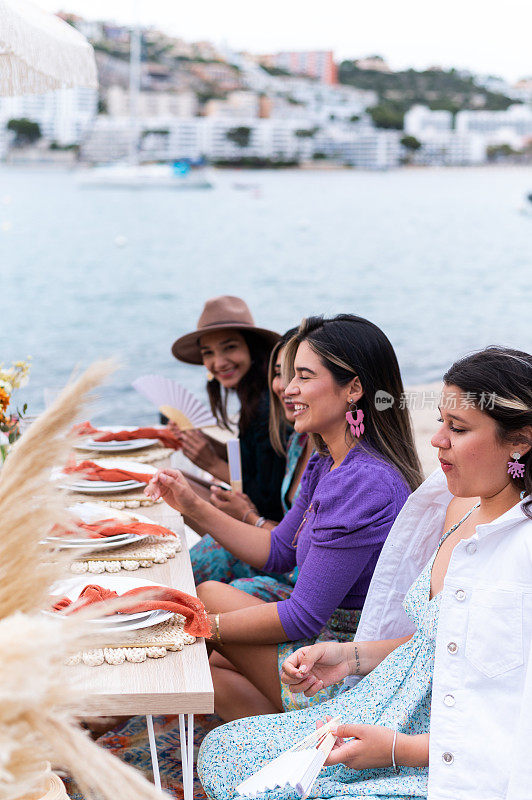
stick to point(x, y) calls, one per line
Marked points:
point(441, 259)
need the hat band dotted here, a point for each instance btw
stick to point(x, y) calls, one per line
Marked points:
point(228, 322)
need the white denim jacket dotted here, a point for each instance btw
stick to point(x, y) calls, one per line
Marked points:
point(481, 712)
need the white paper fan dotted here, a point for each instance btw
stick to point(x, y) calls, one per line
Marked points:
point(174, 401)
point(297, 767)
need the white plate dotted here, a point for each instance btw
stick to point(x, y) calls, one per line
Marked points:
point(96, 544)
point(89, 512)
point(72, 587)
point(103, 484)
point(77, 540)
point(109, 487)
point(130, 444)
point(154, 618)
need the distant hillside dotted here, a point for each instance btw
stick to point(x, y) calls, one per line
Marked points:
point(398, 91)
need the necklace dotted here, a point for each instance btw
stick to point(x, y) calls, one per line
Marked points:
point(296, 534)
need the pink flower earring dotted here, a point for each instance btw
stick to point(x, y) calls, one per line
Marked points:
point(356, 423)
point(515, 469)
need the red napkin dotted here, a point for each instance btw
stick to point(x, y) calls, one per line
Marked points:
point(111, 527)
point(160, 597)
point(92, 472)
point(163, 434)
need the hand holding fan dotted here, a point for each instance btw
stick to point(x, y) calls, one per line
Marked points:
point(297, 767)
point(175, 402)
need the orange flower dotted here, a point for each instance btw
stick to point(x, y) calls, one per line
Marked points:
point(4, 399)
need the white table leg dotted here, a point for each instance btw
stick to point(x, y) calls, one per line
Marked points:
point(184, 753)
point(186, 738)
point(153, 751)
point(190, 757)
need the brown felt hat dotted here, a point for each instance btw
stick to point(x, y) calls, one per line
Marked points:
point(219, 313)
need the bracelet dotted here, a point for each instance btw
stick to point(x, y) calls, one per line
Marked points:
point(247, 513)
point(260, 522)
point(217, 628)
point(394, 765)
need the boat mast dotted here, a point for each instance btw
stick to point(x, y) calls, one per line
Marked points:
point(134, 91)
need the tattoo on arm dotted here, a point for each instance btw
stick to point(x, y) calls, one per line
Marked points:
point(357, 661)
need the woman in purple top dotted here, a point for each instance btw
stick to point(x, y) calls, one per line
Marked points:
point(351, 492)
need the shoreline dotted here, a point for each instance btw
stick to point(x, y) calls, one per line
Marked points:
point(425, 422)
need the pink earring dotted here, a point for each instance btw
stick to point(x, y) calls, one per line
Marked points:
point(356, 423)
point(515, 469)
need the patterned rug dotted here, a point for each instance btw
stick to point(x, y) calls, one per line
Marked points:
point(129, 742)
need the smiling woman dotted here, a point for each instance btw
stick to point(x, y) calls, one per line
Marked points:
point(235, 353)
point(351, 492)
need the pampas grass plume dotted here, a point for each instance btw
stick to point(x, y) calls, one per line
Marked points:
point(38, 694)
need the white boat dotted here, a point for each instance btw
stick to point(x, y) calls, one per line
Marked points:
point(131, 174)
point(144, 176)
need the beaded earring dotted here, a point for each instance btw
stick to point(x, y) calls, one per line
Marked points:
point(515, 469)
point(355, 417)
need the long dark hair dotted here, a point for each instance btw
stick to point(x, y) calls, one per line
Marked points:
point(350, 346)
point(278, 424)
point(249, 390)
point(498, 381)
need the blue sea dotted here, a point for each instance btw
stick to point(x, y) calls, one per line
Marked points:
point(441, 259)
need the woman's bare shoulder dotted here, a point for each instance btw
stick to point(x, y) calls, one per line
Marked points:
point(458, 508)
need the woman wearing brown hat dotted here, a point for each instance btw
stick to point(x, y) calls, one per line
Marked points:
point(236, 352)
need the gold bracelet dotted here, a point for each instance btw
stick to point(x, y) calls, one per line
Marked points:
point(217, 628)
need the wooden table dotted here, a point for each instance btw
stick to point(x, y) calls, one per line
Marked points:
point(180, 683)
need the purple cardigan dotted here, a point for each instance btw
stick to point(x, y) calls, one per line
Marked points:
point(342, 518)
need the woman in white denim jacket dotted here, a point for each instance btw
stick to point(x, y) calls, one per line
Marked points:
point(481, 708)
point(475, 677)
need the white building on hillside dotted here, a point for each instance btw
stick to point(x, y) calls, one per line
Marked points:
point(63, 115)
point(378, 149)
point(238, 104)
point(171, 138)
point(450, 149)
point(421, 120)
point(152, 104)
point(513, 126)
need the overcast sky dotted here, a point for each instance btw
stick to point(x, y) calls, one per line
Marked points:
point(481, 35)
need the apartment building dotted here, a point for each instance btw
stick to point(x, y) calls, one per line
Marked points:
point(152, 104)
point(421, 121)
point(513, 126)
point(63, 115)
point(317, 64)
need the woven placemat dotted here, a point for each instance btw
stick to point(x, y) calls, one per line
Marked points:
point(147, 454)
point(131, 499)
point(136, 646)
point(130, 557)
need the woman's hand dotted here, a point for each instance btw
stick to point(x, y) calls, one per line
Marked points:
point(175, 490)
point(311, 669)
point(196, 446)
point(370, 749)
point(236, 504)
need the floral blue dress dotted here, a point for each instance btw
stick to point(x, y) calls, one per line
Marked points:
point(396, 694)
point(211, 562)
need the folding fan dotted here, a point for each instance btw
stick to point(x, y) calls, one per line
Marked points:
point(297, 767)
point(174, 401)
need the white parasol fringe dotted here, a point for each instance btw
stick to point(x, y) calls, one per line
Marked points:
point(39, 52)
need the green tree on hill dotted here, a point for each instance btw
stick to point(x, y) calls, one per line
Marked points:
point(240, 136)
point(449, 90)
point(26, 132)
point(387, 115)
point(411, 143)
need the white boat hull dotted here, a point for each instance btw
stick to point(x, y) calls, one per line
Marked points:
point(156, 176)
